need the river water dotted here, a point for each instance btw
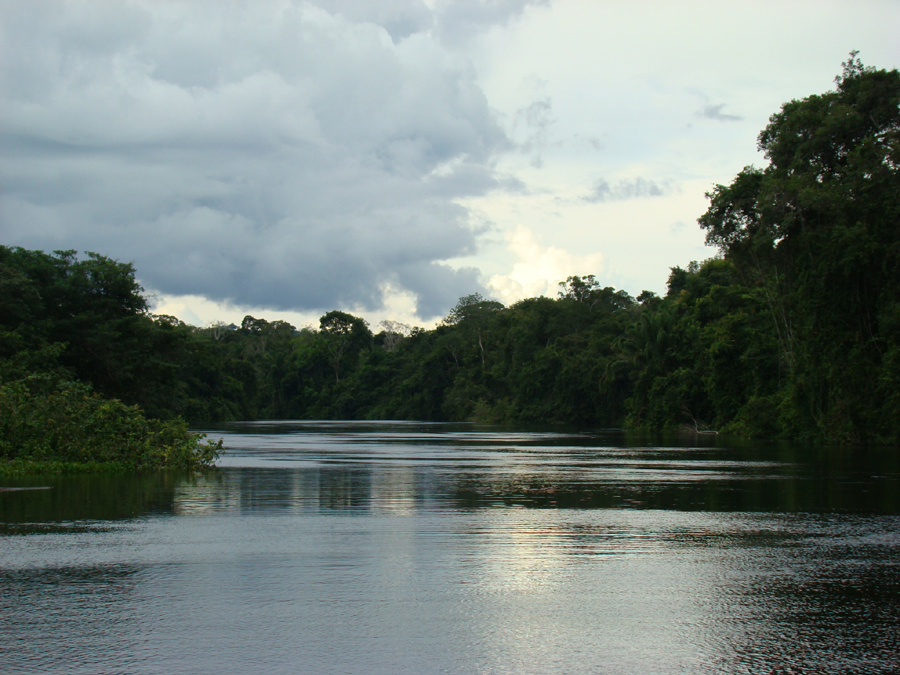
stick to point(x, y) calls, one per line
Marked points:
point(422, 548)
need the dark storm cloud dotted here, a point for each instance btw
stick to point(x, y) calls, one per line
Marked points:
point(269, 154)
point(624, 189)
point(442, 286)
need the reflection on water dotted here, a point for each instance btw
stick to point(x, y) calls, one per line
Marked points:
point(410, 548)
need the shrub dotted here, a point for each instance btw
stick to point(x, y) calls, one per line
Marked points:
point(43, 419)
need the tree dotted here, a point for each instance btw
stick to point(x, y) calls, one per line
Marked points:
point(471, 307)
point(92, 305)
point(816, 230)
point(344, 334)
point(394, 332)
point(217, 330)
point(578, 288)
point(472, 313)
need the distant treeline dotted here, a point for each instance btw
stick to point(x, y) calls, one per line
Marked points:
point(792, 331)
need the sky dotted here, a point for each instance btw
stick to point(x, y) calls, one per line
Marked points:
point(286, 158)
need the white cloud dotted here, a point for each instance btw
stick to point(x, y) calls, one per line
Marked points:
point(538, 268)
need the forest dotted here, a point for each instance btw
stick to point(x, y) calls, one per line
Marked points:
point(791, 331)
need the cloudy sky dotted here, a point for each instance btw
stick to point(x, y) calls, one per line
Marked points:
point(284, 158)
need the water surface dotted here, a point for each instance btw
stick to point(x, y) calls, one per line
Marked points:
point(414, 548)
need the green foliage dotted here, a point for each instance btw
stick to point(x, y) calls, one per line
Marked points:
point(48, 421)
point(345, 336)
point(815, 234)
point(471, 309)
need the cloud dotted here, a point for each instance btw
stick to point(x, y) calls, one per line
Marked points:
point(453, 22)
point(460, 20)
point(539, 269)
point(625, 189)
point(714, 112)
point(400, 18)
point(536, 119)
point(267, 154)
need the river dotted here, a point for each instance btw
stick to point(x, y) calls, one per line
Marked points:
point(322, 547)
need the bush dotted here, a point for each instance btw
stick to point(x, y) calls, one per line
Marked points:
point(46, 420)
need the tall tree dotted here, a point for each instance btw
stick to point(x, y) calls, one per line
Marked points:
point(472, 314)
point(344, 335)
point(817, 230)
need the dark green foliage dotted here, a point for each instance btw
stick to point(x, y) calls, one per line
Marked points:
point(65, 323)
point(52, 422)
point(87, 319)
point(815, 233)
point(344, 337)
